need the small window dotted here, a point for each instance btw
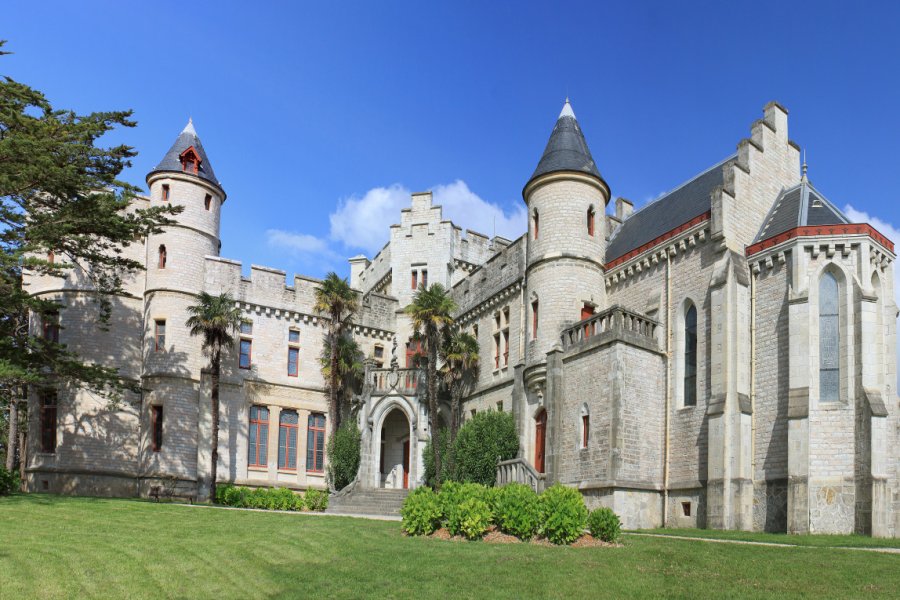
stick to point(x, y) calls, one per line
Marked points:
point(585, 430)
point(162, 257)
point(48, 422)
point(475, 330)
point(156, 427)
point(686, 509)
point(293, 361)
point(207, 201)
point(246, 328)
point(190, 161)
point(50, 326)
point(415, 279)
point(500, 406)
point(246, 351)
point(534, 319)
point(293, 336)
point(506, 347)
point(258, 438)
point(159, 336)
point(474, 412)
point(315, 443)
point(535, 223)
point(287, 440)
point(424, 278)
point(165, 192)
point(590, 221)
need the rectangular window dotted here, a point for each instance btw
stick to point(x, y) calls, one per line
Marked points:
point(246, 351)
point(585, 430)
point(258, 438)
point(246, 328)
point(51, 327)
point(414, 352)
point(48, 422)
point(424, 278)
point(496, 350)
point(415, 279)
point(379, 355)
point(293, 361)
point(159, 336)
point(207, 201)
point(293, 336)
point(506, 347)
point(474, 412)
point(156, 427)
point(287, 440)
point(165, 192)
point(315, 443)
point(500, 406)
point(534, 319)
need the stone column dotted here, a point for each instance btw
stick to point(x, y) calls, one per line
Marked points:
point(553, 405)
point(272, 456)
point(798, 410)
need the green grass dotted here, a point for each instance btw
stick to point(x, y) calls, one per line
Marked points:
point(834, 541)
point(58, 547)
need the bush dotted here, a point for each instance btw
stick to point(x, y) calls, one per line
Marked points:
point(483, 440)
point(284, 499)
point(473, 517)
point(447, 460)
point(264, 498)
point(453, 495)
point(316, 500)
point(516, 511)
point(222, 492)
point(604, 524)
point(9, 482)
point(563, 515)
point(421, 512)
point(343, 455)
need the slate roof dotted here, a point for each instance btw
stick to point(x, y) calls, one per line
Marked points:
point(675, 208)
point(566, 149)
point(172, 161)
point(799, 206)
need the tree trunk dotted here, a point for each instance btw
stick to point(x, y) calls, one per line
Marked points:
point(433, 407)
point(454, 414)
point(13, 433)
point(22, 459)
point(214, 458)
point(333, 396)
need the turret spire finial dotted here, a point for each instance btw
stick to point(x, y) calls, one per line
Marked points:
point(804, 178)
point(189, 128)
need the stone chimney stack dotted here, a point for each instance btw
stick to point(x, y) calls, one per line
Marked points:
point(624, 208)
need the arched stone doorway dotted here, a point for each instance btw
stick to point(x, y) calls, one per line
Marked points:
point(394, 456)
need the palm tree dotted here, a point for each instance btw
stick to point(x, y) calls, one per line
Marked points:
point(349, 365)
point(460, 370)
point(214, 318)
point(431, 312)
point(336, 299)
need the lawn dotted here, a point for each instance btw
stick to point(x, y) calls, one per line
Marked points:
point(59, 547)
point(840, 541)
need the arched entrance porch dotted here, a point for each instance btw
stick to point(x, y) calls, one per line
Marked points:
point(395, 450)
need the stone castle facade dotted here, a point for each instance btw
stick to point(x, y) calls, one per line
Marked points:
point(723, 357)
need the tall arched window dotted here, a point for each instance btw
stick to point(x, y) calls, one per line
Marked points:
point(690, 356)
point(535, 221)
point(162, 256)
point(585, 426)
point(590, 221)
point(829, 339)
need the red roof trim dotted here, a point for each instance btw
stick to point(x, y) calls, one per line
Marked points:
point(658, 240)
point(814, 230)
point(190, 149)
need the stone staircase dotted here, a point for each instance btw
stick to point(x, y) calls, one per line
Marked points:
point(372, 501)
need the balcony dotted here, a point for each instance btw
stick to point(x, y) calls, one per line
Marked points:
point(396, 381)
point(615, 322)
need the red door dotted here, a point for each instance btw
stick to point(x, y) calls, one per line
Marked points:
point(540, 428)
point(587, 311)
point(406, 464)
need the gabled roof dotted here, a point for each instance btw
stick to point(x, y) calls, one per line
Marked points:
point(566, 149)
point(688, 201)
point(172, 160)
point(800, 206)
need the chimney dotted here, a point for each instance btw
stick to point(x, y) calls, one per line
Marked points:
point(624, 208)
point(358, 265)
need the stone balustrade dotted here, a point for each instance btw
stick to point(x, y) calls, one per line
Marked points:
point(407, 382)
point(615, 320)
point(518, 470)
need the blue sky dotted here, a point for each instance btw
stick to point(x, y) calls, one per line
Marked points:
point(320, 118)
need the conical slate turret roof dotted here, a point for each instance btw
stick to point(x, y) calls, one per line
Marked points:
point(172, 160)
point(566, 150)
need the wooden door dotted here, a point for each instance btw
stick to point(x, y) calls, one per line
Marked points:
point(587, 311)
point(540, 429)
point(406, 464)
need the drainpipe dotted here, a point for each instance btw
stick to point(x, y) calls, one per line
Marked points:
point(665, 511)
point(752, 376)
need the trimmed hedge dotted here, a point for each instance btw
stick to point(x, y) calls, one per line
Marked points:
point(563, 515)
point(270, 498)
point(516, 511)
point(604, 524)
point(421, 512)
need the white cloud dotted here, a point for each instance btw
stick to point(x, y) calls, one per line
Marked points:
point(892, 233)
point(308, 249)
point(363, 222)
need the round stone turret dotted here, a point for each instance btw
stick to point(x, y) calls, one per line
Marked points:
point(566, 198)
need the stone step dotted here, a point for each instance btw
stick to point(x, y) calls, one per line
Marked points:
point(378, 501)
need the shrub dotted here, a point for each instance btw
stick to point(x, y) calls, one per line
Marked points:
point(9, 482)
point(453, 495)
point(316, 500)
point(447, 459)
point(264, 498)
point(604, 524)
point(222, 491)
point(516, 511)
point(258, 498)
point(421, 512)
point(343, 455)
point(473, 517)
point(482, 441)
point(283, 499)
point(563, 515)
